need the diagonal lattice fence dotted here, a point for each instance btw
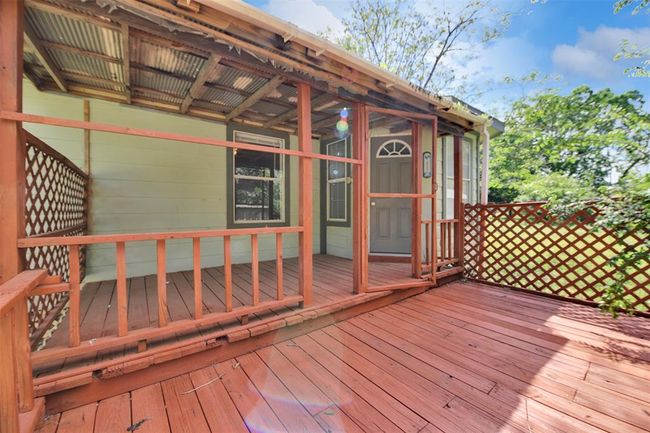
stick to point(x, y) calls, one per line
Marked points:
point(56, 194)
point(523, 245)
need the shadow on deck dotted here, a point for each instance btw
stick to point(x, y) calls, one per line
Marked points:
point(461, 358)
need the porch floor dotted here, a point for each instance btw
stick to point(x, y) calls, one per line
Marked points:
point(332, 283)
point(461, 358)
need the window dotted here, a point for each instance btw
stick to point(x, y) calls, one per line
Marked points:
point(258, 181)
point(337, 183)
point(394, 149)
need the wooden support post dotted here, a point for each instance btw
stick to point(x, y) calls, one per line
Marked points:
point(279, 267)
point(305, 202)
point(161, 274)
point(74, 314)
point(458, 197)
point(12, 146)
point(360, 200)
point(227, 272)
point(416, 206)
point(198, 285)
point(9, 406)
point(255, 268)
point(122, 295)
point(434, 200)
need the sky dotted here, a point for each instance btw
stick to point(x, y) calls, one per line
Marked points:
point(572, 41)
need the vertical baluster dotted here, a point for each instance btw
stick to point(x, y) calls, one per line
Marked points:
point(255, 269)
point(443, 234)
point(450, 251)
point(22, 357)
point(198, 287)
point(74, 313)
point(278, 266)
point(162, 282)
point(427, 238)
point(227, 272)
point(122, 307)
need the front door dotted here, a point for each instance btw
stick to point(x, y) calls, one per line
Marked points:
point(390, 172)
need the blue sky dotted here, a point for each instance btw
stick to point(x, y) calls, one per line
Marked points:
point(572, 40)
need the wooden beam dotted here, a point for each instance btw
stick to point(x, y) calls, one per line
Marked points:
point(126, 61)
point(305, 205)
point(12, 149)
point(199, 81)
point(267, 88)
point(290, 114)
point(458, 197)
point(44, 57)
point(416, 206)
point(75, 50)
point(434, 200)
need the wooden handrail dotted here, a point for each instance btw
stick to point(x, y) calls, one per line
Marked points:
point(139, 132)
point(156, 236)
point(14, 290)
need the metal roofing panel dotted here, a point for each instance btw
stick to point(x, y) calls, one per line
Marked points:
point(80, 64)
point(240, 80)
point(159, 81)
point(92, 82)
point(222, 97)
point(166, 59)
point(157, 96)
point(75, 33)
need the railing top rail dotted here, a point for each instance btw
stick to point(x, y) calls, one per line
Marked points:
point(41, 145)
point(115, 129)
point(14, 290)
point(135, 237)
point(517, 204)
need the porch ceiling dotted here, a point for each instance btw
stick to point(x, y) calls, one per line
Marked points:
point(128, 54)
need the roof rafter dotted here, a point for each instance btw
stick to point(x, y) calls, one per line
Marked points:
point(290, 114)
point(267, 88)
point(44, 57)
point(200, 80)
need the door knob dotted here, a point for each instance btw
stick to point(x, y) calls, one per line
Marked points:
point(372, 203)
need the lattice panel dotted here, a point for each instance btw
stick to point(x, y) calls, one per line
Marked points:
point(55, 205)
point(522, 245)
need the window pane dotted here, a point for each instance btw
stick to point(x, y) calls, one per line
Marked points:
point(336, 170)
point(337, 201)
point(258, 200)
point(259, 164)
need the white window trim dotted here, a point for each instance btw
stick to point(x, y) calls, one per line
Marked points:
point(262, 140)
point(339, 180)
point(408, 146)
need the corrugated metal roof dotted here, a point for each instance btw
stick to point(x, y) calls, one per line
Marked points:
point(164, 83)
point(166, 59)
point(93, 82)
point(157, 96)
point(240, 80)
point(72, 62)
point(268, 108)
point(222, 97)
point(75, 33)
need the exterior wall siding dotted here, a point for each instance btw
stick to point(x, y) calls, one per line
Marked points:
point(148, 185)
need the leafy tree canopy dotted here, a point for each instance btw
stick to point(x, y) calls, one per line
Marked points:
point(559, 146)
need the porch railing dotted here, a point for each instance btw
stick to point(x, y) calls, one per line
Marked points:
point(164, 327)
point(56, 204)
point(522, 245)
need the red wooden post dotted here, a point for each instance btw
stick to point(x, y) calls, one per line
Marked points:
point(434, 200)
point(255, 268)
point(278, 267)
point(416, 206)
point(227, 272)
point(9, 406)
point(22, 357)
point(458, 197)
point(198, 285)
point(12, 147)
point(161, 275)
point(360, 199)
point(122, 306)
point(305, 212)
point(75, 296)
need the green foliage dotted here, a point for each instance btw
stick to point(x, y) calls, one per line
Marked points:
point(631, 51)
point(583, 138)
point(413, 45)
point(639, 5)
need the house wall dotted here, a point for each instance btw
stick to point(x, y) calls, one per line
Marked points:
point(148, 185)
point(339, 239)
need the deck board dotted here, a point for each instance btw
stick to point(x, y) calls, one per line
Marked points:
point(437, 362)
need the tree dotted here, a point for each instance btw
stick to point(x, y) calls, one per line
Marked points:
point(417, 46)
point(632, 51)
point(586, 140)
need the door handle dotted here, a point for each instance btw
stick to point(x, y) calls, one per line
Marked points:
point(372, 203)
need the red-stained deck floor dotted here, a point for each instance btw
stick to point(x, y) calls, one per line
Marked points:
point(460, 358)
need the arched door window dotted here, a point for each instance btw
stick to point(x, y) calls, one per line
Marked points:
point(394, 149)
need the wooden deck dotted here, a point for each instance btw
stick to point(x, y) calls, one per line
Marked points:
point(461, 358)
point(332, 283)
